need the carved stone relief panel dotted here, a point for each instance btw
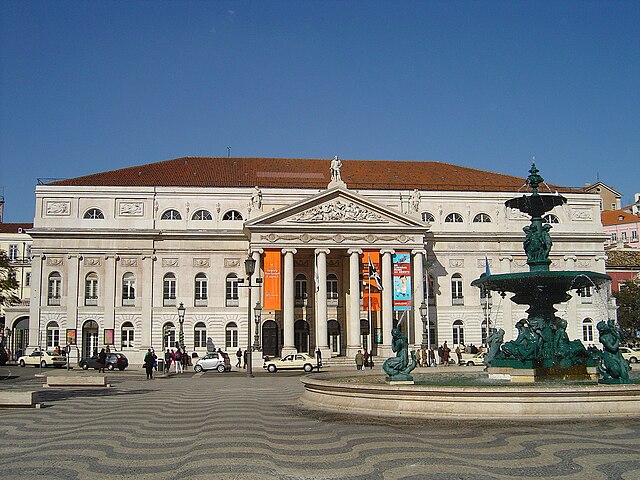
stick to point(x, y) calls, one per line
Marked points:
point(581, 214)
point(515, 214)
point(92, 261)
point(338, 212)
point(58, 208)
point(583, 263)
point(201, 262)
point(456, 262)
point(170, 262)
point(55, 261)
point(481, 262)
point(131, 209)
point(129, 262)
point(231, 262)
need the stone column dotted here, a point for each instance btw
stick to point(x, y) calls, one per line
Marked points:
point(110, 278)
point(322, 340)
point(384, 349)
point(353, 333)
point(418, 293)
point(145, 286)
point(288, 305)
point(506, 320)
point(73, 293)
point(38, 288)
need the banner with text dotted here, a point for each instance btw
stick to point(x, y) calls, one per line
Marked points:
point(371, 297)
point(402, 281)
point(272, 267)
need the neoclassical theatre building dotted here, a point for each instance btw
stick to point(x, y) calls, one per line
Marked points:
point(344, 251)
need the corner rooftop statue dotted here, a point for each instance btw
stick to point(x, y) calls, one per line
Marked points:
point(542, 343)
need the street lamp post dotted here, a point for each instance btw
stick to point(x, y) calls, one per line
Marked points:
point(257, 310)
point(181, 310)
point(424, 315)
point(485, 299)
point(249, 269)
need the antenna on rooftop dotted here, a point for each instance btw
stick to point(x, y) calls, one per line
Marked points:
point(228, 152)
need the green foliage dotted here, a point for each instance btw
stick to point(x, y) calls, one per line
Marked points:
point(8, 282)
point(628, 299)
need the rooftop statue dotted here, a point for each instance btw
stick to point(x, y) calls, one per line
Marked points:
point(336, 165)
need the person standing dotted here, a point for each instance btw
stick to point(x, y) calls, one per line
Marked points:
point(366, 358)
point(318, 358)
point(459, 355)
point(149, 359)
point(239, 356)
point(177, 358)
point(440, 354)
point(370, 359)
point(168, 358)
point(445, 354)
point(246, 357)
point(102, 360)
point(155, 363)
point(359, 360)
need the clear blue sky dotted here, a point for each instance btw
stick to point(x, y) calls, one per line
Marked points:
point(90, 86)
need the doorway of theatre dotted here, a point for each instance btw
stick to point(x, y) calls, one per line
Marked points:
point(270, 338)
point(301, 336)
point(20, 338)
point(333, 332)
point(365, 334)
point(89, 339)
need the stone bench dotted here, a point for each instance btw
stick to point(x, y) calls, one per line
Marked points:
point(19, 399)
point(76, 381)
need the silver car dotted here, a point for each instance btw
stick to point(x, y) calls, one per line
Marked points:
point(213, 361)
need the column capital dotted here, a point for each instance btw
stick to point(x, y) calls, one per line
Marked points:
point(74, 255)
point(570, 257)
point(352, 251)
point(384, 251)
point(289, 250)
point(149, 257)
point(505, 257)
point(326, 251)
point(419, 251)
point(256, 250)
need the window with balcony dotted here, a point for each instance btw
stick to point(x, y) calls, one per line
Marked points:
point(332, 289)
point(585, 294)
point(457, 297)
point(169, 290)
point(634, 235)
point(54, 286)
point(300, 290)
point(91, 289)
point(127, 334)
point(13, 253)
point(128, 290)
point(231, 293)
point(200, 293)
point(614, 237)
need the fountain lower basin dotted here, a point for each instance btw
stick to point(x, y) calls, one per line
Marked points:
point(552, 402)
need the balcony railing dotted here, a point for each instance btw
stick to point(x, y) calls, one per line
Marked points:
point(128, 302)
point(200, 302)
point(457, 301)
point(233, 302)
point(169, 302)
point(54, 301)
point(91, 301)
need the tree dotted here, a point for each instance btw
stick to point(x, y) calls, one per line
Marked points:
point(628, 299)
point(8, 282)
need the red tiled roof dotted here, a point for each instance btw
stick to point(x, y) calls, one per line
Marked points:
point(13, 227)
point(618, 217)
point(303, 173)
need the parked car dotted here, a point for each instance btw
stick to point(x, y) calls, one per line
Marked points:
point(213, 361)
point(629, 354)
point(298, 361)
point(114, 360)
point(471, 359)
point(42, 358)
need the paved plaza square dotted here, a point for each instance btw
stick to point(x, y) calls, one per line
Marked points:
point(227, 426)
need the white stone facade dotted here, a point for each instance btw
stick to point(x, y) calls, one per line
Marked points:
point(97, 261)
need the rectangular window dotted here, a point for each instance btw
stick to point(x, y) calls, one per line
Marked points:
point(129, 291)
point(91, 291)
point(624, 236)
point(232, 292)
point(13, 252)
point(585, 294)
point(587, 332)
point(127, 338)
point(634, 235)
point(614, 237)
point(27, 279)
point(200, 339)
point(169, 292)
point(231, 338)
point(53, 338)
point(54, 291)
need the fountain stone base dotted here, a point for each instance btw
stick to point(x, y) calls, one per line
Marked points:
point(575, 373)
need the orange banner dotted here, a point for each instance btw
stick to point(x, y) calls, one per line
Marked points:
point(272, 280)
point(371, 276)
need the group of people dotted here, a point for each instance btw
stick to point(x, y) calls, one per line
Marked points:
point(241, 357)
point(364, 360)
point(178, 357)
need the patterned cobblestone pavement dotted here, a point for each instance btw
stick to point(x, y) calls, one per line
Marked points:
point(226, 426)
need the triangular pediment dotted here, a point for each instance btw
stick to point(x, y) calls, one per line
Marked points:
point(336, 208)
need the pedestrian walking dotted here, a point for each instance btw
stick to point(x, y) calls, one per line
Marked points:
point(185, 359)
point(440, 353)
point(318, 358)
point(177, 358)
point(155, 362)
point(359, 360)
point(149, 360)
point(445, 354)
point(239, 356)
point(102, 360)
point(370, 359)
point(459, 355)
point(168, 358)
point(366, 358)
point(246, 357)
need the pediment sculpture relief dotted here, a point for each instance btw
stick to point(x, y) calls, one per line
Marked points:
point(339, 212)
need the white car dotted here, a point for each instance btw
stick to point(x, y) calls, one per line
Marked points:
point(213, 361)
point(629, 354)
point(297, 361)
point(44, 359)
point(471, 359)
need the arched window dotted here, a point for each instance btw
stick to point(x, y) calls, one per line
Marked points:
point(550, 218)
point(128, 289)
point(54, 289)
point(53, 335)
point(456, 289)
point(332, 288)
point(232, 215)
point(587, 330)
point(169, 290)
point(202, 215)
point(91, 289)
point(200, 335)
point(201, 286)
point(453, 218)
point(231, 293)
point(126, 332)
point(171, 214)
point(94, 214)
point(168, 336)
point(458, 332)
point(231, 335)
point(300, 289)
point(427, 217)
point(482, 218)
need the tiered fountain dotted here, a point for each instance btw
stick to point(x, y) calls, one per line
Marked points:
point(551, 377)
